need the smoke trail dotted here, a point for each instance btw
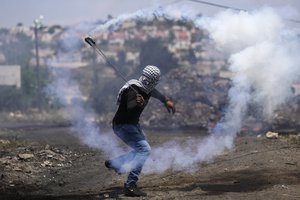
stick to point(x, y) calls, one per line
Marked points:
point(262, 54)
point(170, 12)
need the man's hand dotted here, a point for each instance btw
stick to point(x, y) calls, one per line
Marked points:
point(140, 100)
point(170, 106)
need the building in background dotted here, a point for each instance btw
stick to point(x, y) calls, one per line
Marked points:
point(10, 75)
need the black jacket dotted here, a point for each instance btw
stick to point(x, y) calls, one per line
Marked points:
point(128, 111)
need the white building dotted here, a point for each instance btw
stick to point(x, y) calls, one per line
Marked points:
point(10, 75)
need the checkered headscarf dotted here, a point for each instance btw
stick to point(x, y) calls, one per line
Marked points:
point(147, 82)
point(150, 77)
point(152, 73)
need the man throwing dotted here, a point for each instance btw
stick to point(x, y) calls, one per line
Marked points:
point(132, 99)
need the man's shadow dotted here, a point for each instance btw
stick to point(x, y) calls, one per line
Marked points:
point(112, 193)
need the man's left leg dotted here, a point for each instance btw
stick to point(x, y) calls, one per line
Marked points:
point(117, 164)
point(142, 152)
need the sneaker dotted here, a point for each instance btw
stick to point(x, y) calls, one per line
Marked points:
point(133, 191)
point(109, 165)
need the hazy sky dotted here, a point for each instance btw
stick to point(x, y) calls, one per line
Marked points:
point(73, 11)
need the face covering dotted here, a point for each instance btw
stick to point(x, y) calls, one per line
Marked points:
point(150, 78)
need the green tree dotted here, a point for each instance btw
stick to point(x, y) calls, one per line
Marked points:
point(29, 81)
point(153, 52)
point(53, 28)
point(103, 98)
point(11, 99)
point(3, 32)
point(18, 52)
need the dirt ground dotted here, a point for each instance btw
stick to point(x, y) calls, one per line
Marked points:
point(50, 163)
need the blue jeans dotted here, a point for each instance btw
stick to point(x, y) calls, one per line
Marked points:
point(134, 160)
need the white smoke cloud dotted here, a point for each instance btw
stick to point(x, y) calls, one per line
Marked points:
point(271, 68)
point(83, 122)
point(234, 31)
point(262, 54)
point(68, 93)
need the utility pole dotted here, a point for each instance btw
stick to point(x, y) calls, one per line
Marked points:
point(37, 58)
point(37, 26)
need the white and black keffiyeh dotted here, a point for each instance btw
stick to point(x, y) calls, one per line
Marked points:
point(147, 82)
